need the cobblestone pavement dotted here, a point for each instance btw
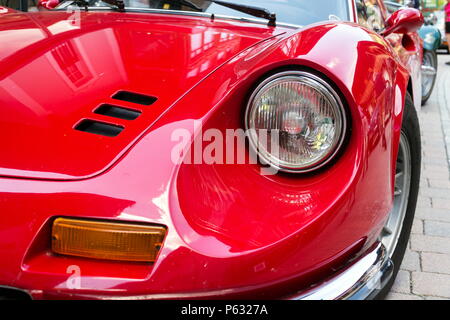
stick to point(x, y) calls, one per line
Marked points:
point(425, 272)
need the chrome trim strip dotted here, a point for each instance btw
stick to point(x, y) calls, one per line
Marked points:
point(363, 280)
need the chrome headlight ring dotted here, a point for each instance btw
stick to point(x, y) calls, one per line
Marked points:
point(306, 113)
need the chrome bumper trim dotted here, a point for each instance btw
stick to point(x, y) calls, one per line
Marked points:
point(364, 279)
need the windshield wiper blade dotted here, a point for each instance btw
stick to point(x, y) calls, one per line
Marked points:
point(251, 10)
point(258, 12)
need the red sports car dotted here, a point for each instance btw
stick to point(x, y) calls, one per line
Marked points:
point(184, 149)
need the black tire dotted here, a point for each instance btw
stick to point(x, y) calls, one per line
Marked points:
point(411, 129)
point(432, 56)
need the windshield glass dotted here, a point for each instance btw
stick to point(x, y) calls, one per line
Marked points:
point(298, 12)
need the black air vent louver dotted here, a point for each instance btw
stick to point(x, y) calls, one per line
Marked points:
point(117, 112)
point(134, 98)
point(100, 128)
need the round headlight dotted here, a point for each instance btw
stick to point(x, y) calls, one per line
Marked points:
point(305, 114)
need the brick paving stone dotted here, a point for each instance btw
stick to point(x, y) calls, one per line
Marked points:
point(434, 192)
point(439, 183)
point(436, 262)
point(411, 261)
point(426, 243)
point(402, 282)
point(441, 203)
point(433, 174)
point(424, 202)
point(431, 284)
point(433, 214)
point(402, 296)
point(417, 227)
point(435, 168)
point(435, 161)
point(429, 298)
point(437, 229)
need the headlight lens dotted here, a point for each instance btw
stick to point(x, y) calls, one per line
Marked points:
point(304, 112)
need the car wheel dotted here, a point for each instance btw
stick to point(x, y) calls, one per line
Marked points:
point(395, 234)
point(429, 74)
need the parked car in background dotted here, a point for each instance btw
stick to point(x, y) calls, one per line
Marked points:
point(107, 115)
point(431, 37)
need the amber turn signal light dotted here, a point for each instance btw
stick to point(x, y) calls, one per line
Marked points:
point(107, 240)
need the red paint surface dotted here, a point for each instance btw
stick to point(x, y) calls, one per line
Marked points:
point(54, 74)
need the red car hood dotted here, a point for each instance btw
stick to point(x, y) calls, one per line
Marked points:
point(56, 68)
